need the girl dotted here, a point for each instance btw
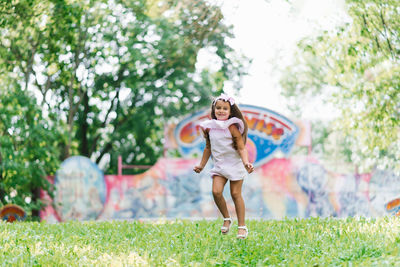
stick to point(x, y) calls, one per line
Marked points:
point(226, 136)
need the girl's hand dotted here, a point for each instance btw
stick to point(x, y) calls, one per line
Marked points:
point(198, 169)
point(249, 167)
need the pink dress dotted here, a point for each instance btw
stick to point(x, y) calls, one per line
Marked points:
point(227, 162)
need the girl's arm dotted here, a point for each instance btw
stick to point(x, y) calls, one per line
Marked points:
point(204, 159)
point(206, 154)
point(237, 137)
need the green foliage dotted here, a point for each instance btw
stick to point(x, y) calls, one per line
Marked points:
point(28, 149)
point(289, 242)
point(356, 67)
point(116, 71)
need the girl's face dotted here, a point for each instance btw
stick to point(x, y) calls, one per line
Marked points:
point(222, 110)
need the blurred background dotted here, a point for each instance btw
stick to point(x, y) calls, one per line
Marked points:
point(105, 79)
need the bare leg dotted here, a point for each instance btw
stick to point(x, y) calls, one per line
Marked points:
point(217, 191)
point(236, 193)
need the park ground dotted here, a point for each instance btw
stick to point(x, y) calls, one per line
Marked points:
point(161, 242)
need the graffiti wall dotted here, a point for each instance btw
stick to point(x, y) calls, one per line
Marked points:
point(268, 133)
point(279, 187)
point(283, 187)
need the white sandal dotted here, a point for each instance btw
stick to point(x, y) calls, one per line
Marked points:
point(243, 236)
point(224, 229)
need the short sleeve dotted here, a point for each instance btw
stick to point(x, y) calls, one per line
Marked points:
point(208, 124)
point(236, 121)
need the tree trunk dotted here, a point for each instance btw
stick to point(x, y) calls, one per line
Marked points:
point(84, 147)
point(35, 198)
point(2, 191)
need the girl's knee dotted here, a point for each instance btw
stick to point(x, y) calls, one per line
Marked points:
point(236, 195)
point(217, 193)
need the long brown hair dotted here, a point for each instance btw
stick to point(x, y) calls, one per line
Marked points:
point(235, 112)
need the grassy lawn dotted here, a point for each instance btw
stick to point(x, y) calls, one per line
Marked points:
point(298, 242)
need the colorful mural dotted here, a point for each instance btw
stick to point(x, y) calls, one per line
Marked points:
point(283, 187)
point(80, 190)
point(278, 188)
point(268, 133)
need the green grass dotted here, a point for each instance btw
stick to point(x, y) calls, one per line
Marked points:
point(293, 242)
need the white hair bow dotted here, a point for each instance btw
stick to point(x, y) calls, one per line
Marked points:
point(225, 98)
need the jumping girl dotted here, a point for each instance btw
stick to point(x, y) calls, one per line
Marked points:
point(226, 136)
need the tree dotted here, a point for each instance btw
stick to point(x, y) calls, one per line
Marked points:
point(114, 71)
point(28, 149)
point(357, 68)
